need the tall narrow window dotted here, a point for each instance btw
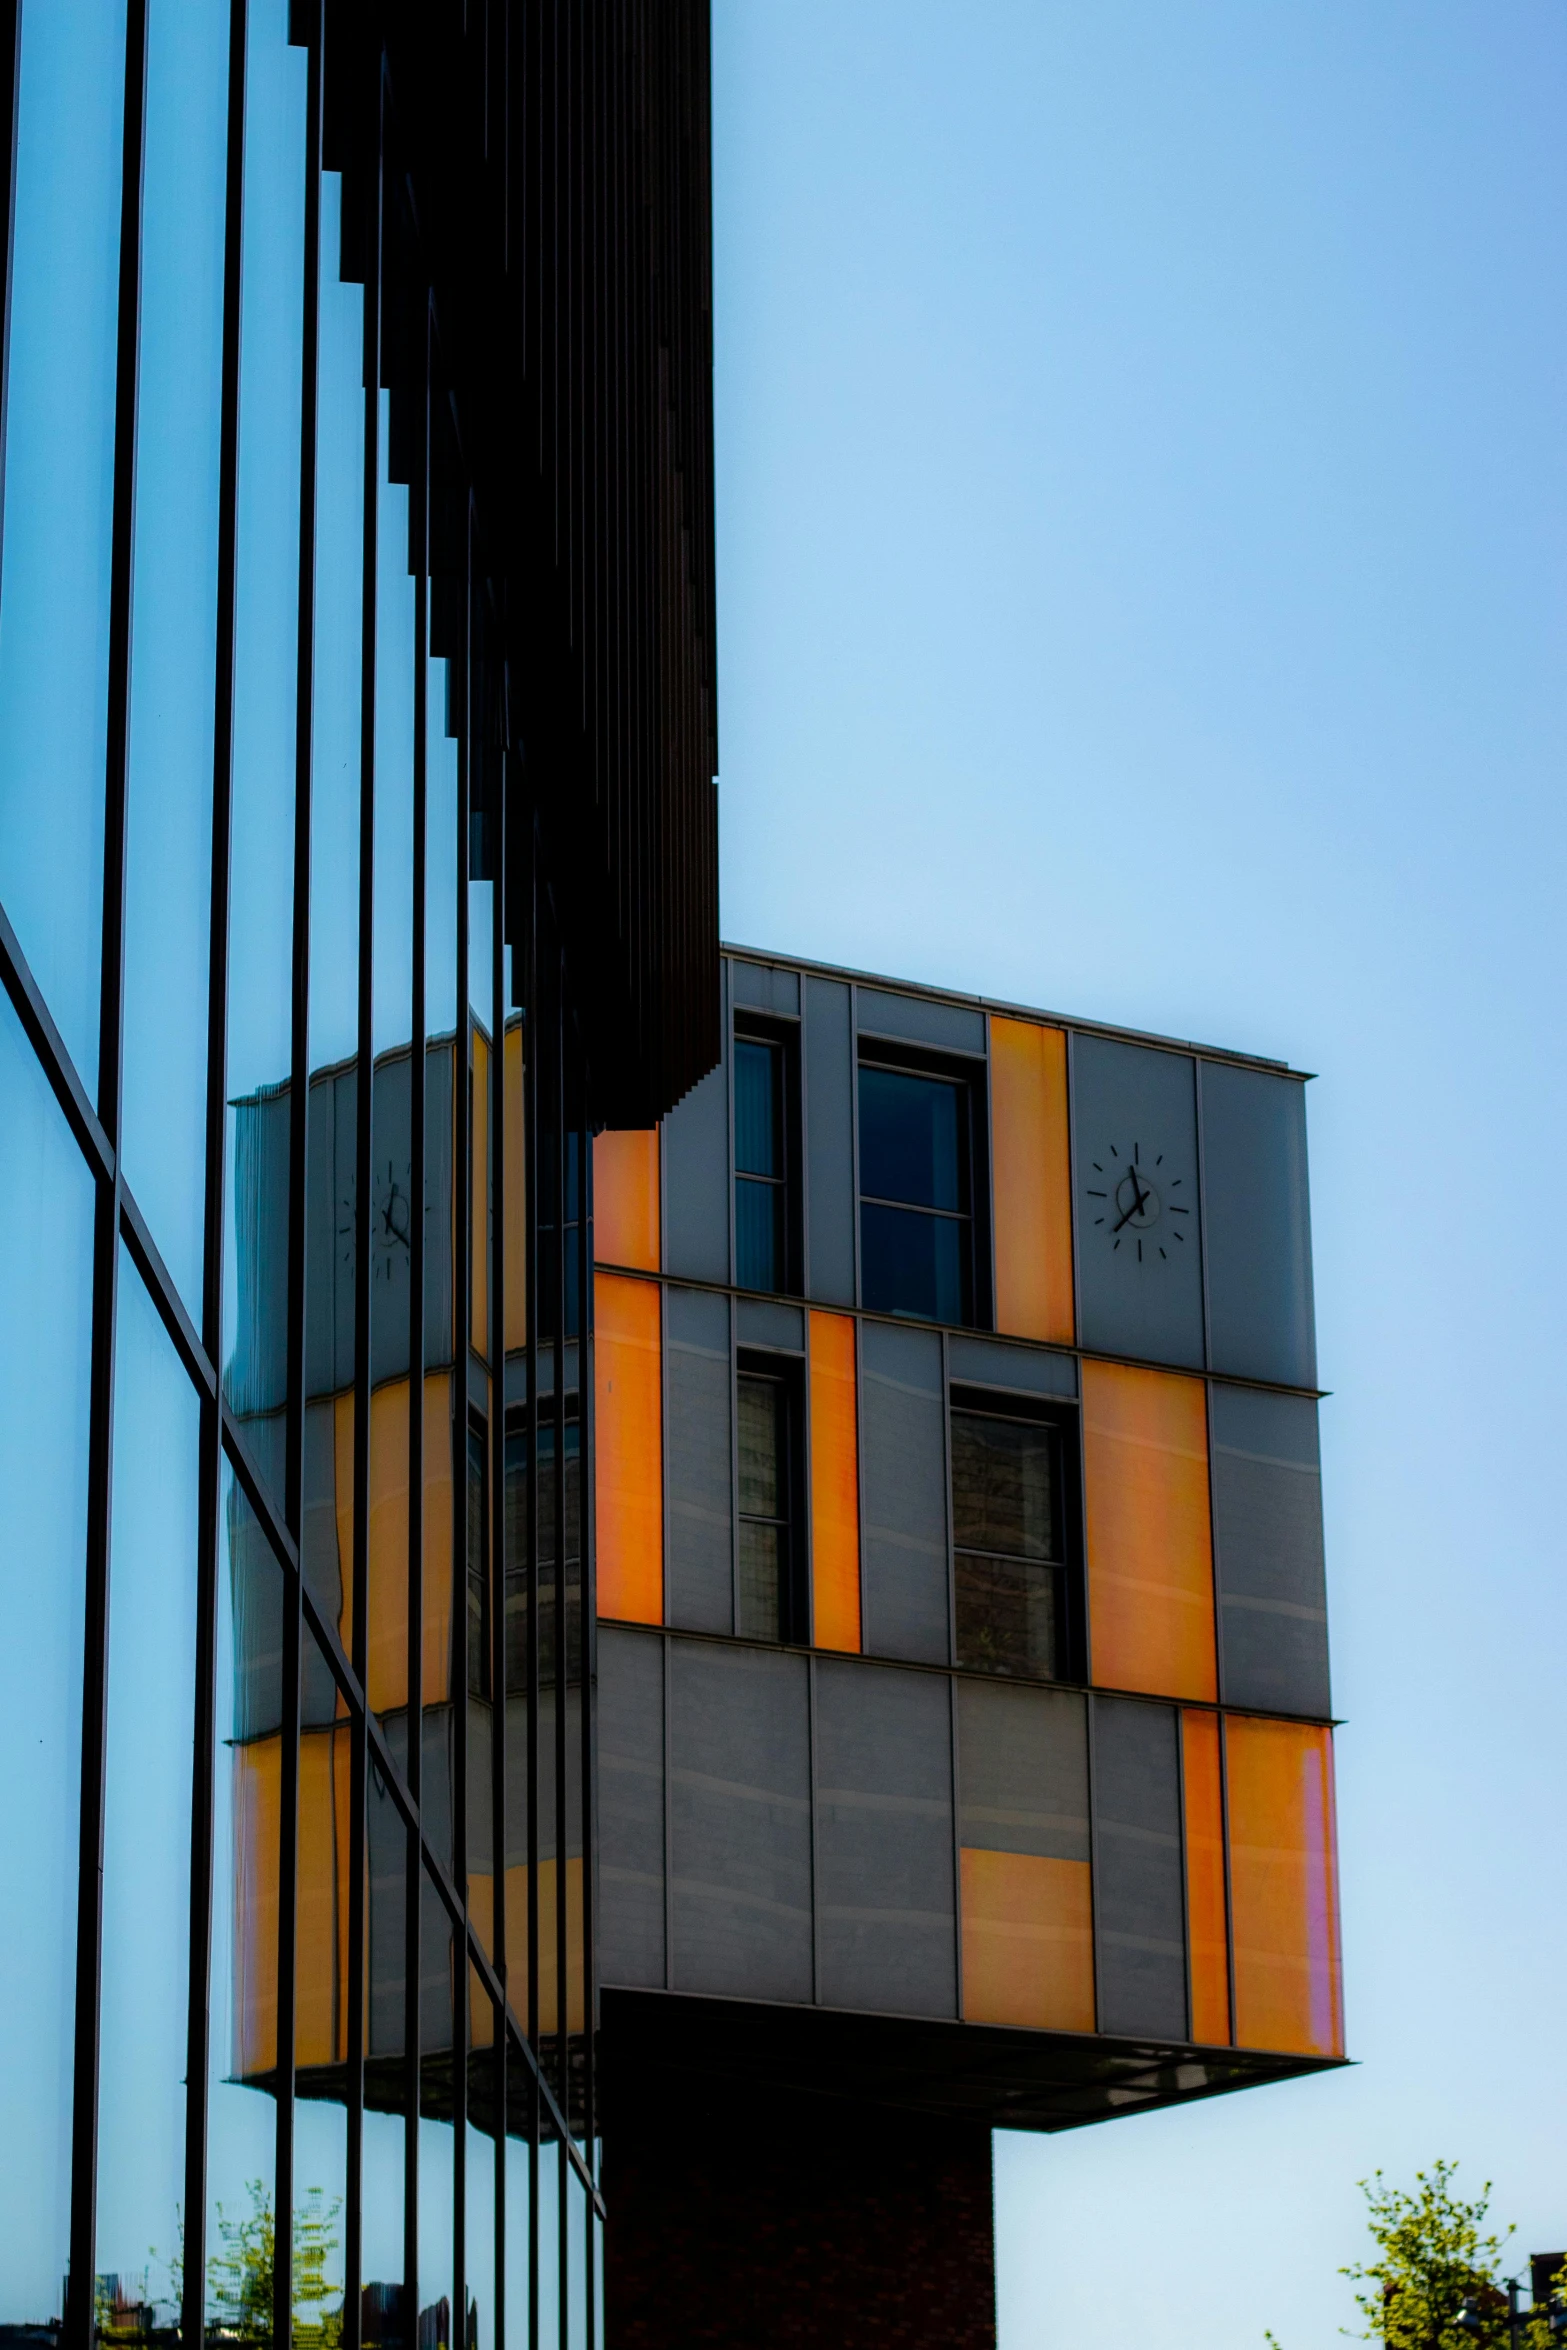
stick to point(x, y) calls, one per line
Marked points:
point(916, 1194)
point(1009, 1528)
point(768, 1608)
point(761, 1165)
point(517, 1549)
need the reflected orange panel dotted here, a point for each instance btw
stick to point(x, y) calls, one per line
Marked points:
point(516, 1223)
point(629, 1477)
point(835, 1484)
point(1032, 1182)
point(1028, 1941)
point(517, 1946)
point(1284, 1886)
point(257, 1816)
point(435, 1665)
point(386, 1654)
point(625, 1200)
point(1205, 1907)
point(479, 1181)
point(321, 2022)
point(1150, 1545)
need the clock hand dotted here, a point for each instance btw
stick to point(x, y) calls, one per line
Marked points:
point(1139, 1201)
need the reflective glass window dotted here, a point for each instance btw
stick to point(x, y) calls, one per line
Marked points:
point(63, 301)
point(144, 2010)
point(1008, 1532)
point(45, 1324)
point(760, 1166)
point(174, 642)
point(915, 1195)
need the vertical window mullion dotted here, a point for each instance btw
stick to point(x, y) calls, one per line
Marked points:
point(299, 1093)
point(100, 1441)
point(209, 1502)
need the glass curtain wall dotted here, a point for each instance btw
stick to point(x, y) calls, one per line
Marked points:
point(295, 1356)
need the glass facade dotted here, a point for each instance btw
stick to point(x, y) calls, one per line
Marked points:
point(308, 1020)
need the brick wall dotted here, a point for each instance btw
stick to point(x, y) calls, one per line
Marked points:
point(769, 2222)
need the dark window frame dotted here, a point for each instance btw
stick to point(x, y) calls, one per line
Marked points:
point(1062, 1416)
point(784, 1036)
point(970, 1076)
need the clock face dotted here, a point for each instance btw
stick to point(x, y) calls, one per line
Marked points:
point(1138, 1204)
point(391, 1219)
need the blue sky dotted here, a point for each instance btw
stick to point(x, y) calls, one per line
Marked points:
point(1142, 507)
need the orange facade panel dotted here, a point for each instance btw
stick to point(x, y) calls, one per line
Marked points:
point(1207, 1925)
point(835, 1484)
point(1028, 1941)
point(258, 1814)
point(1150, 1543)
point(1284, 1886)
point(629, 1474)
point(625, 1200)
point(1031, 1181)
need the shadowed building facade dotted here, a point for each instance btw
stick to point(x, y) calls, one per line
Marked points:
point(965, 1753)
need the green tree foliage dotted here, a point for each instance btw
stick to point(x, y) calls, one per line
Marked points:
point(240, 2275)
point(1433, 2254)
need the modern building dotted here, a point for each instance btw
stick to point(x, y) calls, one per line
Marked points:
point(357, 861)
point(645, 1587)
point(964, 1749)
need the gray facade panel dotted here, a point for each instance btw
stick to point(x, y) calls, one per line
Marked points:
point(1139, 1906)
point(696, 1178)
point(1134, 1123)
point(1025, 1370)
point(630, 1718)
point(700, 1565)
point(1258, 1226)
point(766, 987)
point(952, 1028)
point(904, 1498)
point(885, 1911)
point(741, 1819)
point(1023, 1770)
point(1267, 1492)
point(829, 1132)
point(760, 1321)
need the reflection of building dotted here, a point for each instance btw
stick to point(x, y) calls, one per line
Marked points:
point(964, 1748)
point(462, 1649)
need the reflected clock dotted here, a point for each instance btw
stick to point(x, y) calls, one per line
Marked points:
point(391, 1220)
point(1137, 1203)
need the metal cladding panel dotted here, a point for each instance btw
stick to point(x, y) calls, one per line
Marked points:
point(761, 1321)
point(1022, 1770)
point(829, 1128)
point(1139, 1905)
point(630, 1722)
point(699, 1569)
point(1024, 1370)
point(1267, 1492)
point(904, 1495)
point(884, 1883)
point(952, 1028)
point(1258, 1225)
point(1135, 1114)
point(740, 1795)
point(766, 987)
point(696, 1181)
